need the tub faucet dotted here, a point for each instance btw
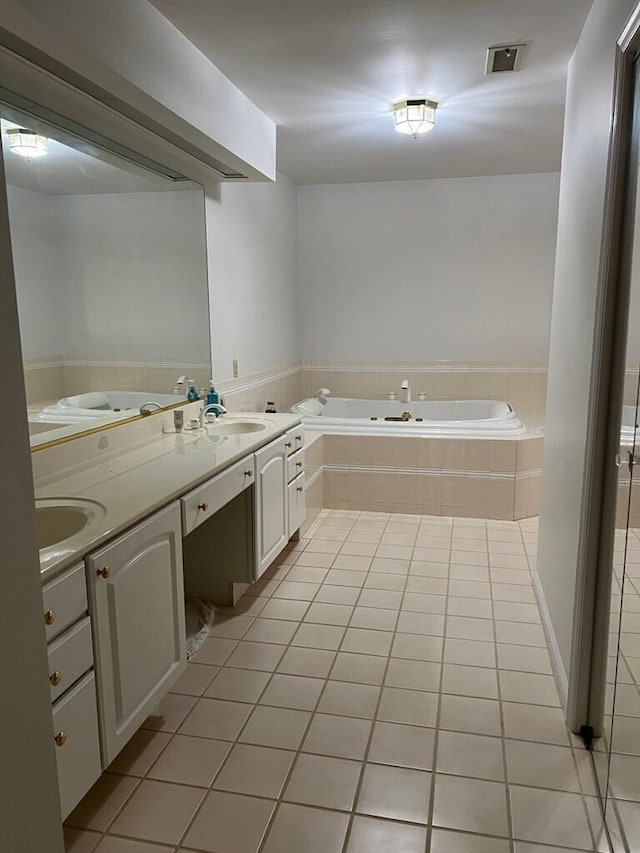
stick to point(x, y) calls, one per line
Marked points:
point(149, 406)
point(204, 411)
point(183, 383)
point(405, 391)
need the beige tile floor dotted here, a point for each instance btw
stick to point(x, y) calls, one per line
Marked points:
point(385, 688)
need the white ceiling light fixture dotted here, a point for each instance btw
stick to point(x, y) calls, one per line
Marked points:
point(27, 143)
point(414, 116)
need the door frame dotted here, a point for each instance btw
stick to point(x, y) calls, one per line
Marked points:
point(585, 700)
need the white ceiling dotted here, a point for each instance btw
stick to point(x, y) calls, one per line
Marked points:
point(328, 71)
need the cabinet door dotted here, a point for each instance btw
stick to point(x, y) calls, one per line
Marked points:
point(270, 503)
point(297, 509)
point(136, 595)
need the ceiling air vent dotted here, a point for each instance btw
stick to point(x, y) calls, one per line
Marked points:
point(505, 57)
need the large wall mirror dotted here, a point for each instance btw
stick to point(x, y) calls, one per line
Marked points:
point(111, 279)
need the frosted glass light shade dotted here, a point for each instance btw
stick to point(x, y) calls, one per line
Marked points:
point(26, 143)
point(414, 116)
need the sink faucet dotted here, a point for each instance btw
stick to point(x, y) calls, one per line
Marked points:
point(405, 391)
point(149, 406)
point(210, 407)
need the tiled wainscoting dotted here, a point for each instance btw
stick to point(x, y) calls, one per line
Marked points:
point(281, 385)
point(47, 381)
point(477, 478)
point(523, 385)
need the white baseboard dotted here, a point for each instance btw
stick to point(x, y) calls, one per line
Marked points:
point(559, 673)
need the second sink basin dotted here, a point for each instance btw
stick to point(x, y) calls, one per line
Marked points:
point(58, 519)
point(223, 427)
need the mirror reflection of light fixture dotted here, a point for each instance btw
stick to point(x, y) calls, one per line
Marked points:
point(27, 143)
point(414, 115)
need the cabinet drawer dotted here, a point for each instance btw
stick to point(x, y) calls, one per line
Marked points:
point(294, 439)
point(70, 656)
point(295, 465)
point(65, 601)
point(200, 504)
point(75, 729)
point(297, 506)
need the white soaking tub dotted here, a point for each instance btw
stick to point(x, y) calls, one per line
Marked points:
point(437, 418)
point(103, 404)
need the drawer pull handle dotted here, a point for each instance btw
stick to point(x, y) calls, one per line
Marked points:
point(104, 572)
point(298, 438)
point(49, 617)
point(248, 473)
point(204, 506)
point(298, 488)
point(60, 738)
point(288, 444)
point(299, 464)
point(55, 678)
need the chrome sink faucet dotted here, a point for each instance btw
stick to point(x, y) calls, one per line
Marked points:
point(210, 407)
point(405, 391)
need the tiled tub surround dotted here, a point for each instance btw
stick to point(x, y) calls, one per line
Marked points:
point(523, 385)
point(385, 688)
point(481, 478)
point(49, 381)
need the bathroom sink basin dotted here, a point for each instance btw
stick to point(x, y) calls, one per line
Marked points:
point(236, 427)
point(58, 519)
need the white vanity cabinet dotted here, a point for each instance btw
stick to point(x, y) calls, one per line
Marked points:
point(270, 502)
point(72, 684)
point(296, 507)
point(135, 586)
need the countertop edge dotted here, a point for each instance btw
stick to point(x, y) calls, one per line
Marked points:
point(103, 534)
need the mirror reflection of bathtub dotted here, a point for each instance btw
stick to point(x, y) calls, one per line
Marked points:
point(91, 410)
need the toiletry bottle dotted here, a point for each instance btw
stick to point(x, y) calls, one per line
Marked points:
point(212, 394)
point(270, 408)
point(193, 394)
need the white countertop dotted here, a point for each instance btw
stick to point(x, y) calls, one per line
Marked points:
point(140, 480)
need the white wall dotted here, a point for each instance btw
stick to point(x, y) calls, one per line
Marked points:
point(252, 255)
point(458, 269)
point(134, 269)
point(582, 195)
point(40, 289)
point(111, 278)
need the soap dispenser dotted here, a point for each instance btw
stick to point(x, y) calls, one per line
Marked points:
point(212, 395)
point(193, 394)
